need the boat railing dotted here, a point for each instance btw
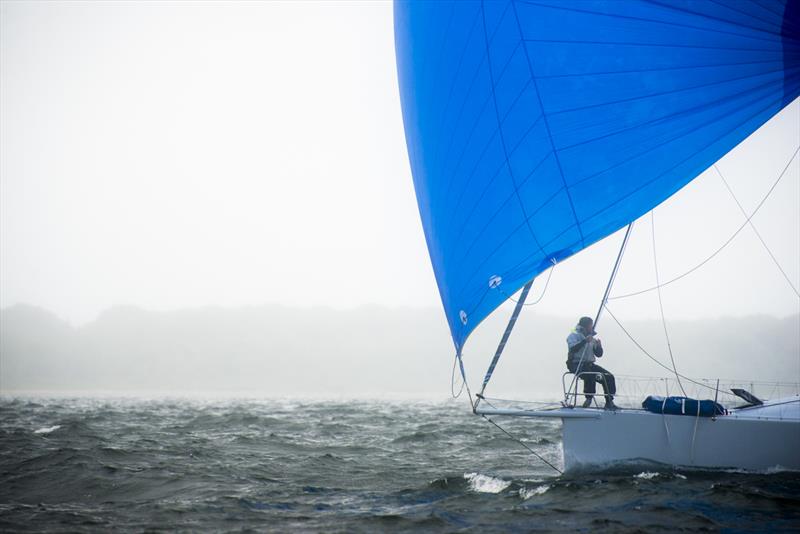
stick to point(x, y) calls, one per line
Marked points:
point(632, 390)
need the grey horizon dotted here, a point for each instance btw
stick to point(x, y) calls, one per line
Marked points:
point(276, 350)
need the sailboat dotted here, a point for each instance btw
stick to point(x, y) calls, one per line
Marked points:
point(536, 128)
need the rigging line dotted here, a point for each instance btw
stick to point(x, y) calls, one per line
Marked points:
point(544, 290)
point(660, 302)
point(755, 231)
point(654, 358)
point(453, 381)
point(472, 404)
point(539, 456)
point(725, 244)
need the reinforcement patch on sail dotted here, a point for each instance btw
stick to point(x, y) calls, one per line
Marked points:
point(536, 128)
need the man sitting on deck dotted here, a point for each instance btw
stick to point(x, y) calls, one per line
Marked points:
point(583, 350)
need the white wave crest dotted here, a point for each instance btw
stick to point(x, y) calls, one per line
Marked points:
point(485, 484)
point(647, 475)
point(47, 429)
point(526, 493)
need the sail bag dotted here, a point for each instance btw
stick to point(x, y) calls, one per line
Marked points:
point(683, 406)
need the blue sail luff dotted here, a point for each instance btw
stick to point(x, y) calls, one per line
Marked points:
point(536, 128)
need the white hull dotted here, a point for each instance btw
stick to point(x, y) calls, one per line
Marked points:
point(757, 439)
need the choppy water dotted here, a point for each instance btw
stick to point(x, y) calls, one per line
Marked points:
point(280, 465)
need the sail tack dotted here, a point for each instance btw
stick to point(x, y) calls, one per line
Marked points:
point(536, 128)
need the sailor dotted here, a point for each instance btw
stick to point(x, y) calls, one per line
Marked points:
point(584, 349)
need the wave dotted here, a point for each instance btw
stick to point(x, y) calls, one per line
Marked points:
point(485, 484)
point(527, 493)
point(234, 466)
point(47, 429)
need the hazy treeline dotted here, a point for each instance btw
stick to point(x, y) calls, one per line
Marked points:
point(275, 350)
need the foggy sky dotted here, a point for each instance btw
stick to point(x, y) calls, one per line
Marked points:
point(171, 155)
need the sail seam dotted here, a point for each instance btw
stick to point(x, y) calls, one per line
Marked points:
point(658, 69)
point(500, 167)
point(655, 45)
point(471, 86)
point(547, 123)
point(771, 104)
point(446, 108)
point(751, 15)
point(671, 92)
point(707, 16)
point(514, 231)
point(473, 129)
point(491, 182)
point(748, 102)
point(664, 119)
point(502, 137)
point(755, 2)
point(661, 22)
point(649, 182)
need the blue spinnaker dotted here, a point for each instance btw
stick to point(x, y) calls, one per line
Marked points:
point(536, 128)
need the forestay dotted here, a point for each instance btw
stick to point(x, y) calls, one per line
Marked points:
point(536, 128)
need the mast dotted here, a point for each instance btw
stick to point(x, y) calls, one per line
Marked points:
point(574, 382)
point(614, 272)
point(503, 340)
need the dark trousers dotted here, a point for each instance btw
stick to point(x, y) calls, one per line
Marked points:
point(606, 379)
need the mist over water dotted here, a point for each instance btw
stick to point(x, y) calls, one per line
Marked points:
point(367, 351)
point(79, 464)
